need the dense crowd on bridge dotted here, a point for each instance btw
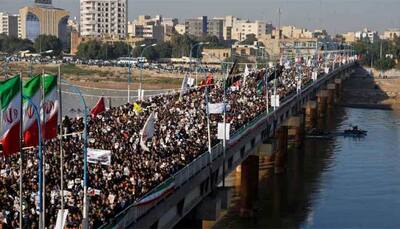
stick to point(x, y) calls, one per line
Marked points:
point(180, 136)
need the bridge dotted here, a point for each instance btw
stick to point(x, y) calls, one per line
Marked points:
point(197, 193)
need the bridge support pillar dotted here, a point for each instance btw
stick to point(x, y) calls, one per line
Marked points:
point(322, 98)
point(310, 115)
point(296, 129)
point(249, 185)
point(339, 89)
point(281, 135)
point(331, 95)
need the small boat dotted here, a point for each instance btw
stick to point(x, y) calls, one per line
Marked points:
point(355, 132)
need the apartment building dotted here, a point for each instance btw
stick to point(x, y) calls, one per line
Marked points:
point(197, 26)
point(242, 28)
point(391, 34)
point(107, 18)
point(10, 24)
point(157, 28)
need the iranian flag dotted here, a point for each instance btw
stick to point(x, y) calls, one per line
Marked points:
point(50, 106)
point(157, 193)
point(31, 90)
point(10, 99)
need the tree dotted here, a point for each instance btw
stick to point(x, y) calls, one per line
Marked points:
point(12, 45)
point(48, 42)
point(250, 39)
point(384, 64)
point(164, 49)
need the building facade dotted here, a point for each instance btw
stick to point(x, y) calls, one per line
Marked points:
point(107, 18)
point(367, 34)
point(215, 27)
point(10, 24)
point(391, 34)
point(196, 26)
point(242, 28)
point(43, 18)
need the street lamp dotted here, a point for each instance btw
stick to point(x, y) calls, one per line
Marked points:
point(191, 55)
point(141, 94)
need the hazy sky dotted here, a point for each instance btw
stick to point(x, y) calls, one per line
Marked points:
point(335, 15)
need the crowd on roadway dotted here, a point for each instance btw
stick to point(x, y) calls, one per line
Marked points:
point(180, 136)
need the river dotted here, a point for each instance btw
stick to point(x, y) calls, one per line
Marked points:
point(338, 183)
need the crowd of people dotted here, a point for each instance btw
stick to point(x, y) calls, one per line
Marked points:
point(180, 136)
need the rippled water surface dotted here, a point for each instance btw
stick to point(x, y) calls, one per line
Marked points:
point(341, 183)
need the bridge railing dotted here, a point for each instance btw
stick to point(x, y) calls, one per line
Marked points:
point(134, 212)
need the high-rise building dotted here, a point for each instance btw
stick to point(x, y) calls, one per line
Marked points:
point(104, 18)
point(10, 24)
point(215, 27)
point(44, 18)
point(196, 26)
point(242, 28)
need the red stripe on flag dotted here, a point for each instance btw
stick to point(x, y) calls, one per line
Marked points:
point(50, 129)
point(31, 136)
point(11, 141)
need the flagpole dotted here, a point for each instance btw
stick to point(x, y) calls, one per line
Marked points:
point(208, 124)
point(20, 155)
point(266, 90)
point(224, 119)
point(61, 142)
point(43, 156)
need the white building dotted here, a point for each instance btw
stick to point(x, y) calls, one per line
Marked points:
point(372, 36)
point(10, 24)
point(156, 28)
point(391, 34)
point(104, 18)
point(242, 28)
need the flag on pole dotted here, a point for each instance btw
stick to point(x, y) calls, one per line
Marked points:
point(137, 108)
point(31, 90)
point(50, 106)
point(99, 108)
point(260, 87)
point(10, 101)
point(147, 132)
point(216, 108)
point(246, 74)
point(184, 86)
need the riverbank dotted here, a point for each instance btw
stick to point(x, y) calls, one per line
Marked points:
point(105, 77)
point(371, 92)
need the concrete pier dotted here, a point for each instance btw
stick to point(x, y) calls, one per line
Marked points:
point(322, 98)
point(249, 185)
point(281, 136)
point(310, 115)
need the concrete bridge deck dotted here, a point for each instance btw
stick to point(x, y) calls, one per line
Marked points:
point(197, 194)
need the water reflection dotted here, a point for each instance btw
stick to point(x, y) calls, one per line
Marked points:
point(328, 177)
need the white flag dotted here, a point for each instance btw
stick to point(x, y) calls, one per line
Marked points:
point(221, 131)
point(327, 70)
point(246, 74)
point(216, 108)
point(275, 100)
point(184, 85)
point(61, 219)
point(314, 76)
point(190, 82)
point(147, 132)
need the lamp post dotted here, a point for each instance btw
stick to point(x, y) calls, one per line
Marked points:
point(141, 94)
point(191, 55)
point(85, 220)
point(40, 166)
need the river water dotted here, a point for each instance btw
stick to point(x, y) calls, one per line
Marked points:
point(338, 183)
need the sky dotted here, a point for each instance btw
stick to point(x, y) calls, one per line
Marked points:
point(337, 16)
